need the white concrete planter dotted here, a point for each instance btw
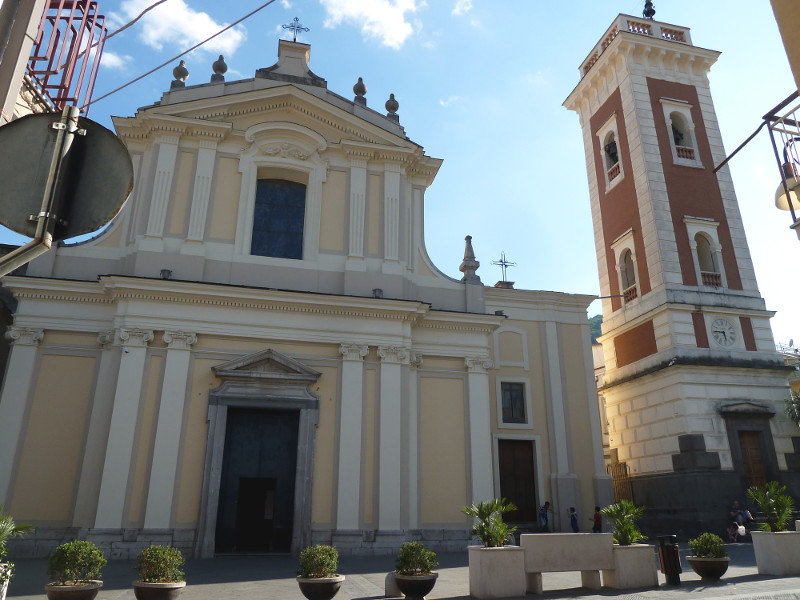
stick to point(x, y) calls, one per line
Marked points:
point(496, 572)
point(777, 553)
point(4, 585)
point(634, 567)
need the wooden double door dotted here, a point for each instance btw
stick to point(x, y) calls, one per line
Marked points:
point(516, 460)
point(257, 486)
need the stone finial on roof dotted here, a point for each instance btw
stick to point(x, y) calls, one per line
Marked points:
point(392, 105)
point(220, 68)
point(180, 73)
point(469, 265)
point(360, 90)
point(649, 10)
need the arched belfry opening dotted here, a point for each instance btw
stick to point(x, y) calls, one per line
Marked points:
point(259, 457)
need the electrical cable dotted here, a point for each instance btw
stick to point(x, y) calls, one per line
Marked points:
point(174, 58)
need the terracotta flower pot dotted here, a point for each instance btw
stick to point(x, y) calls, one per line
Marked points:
point(84, 591)
point(323, 588)
point(709, 569)
point(415, 587)
point(144, 590)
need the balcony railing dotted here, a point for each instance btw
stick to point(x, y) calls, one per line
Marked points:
point(711, 279)
point(630, 294)
point(639, 26)
point(685, 152)
point(613, 172)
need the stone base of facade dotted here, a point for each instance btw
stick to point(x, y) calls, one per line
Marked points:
point(383, 543)
point(116, 544)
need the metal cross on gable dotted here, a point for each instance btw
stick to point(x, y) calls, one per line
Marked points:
point(295, 27)
point(503, 263)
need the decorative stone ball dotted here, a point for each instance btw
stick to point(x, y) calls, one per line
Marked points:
point(391, 104)
point(181, 73)
point(219, 66)
point(359, 89)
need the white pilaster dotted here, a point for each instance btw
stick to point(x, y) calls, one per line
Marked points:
point(559, 461)
point(480, 438)
point(358, 199)
point(348, 506)
point(391, 208)
point(161, 491)
point(96, 437)
point(121, 435)
point(14, 401)
point(162, 185)
point(390, 455)
point(412, 494)
point(206, 159)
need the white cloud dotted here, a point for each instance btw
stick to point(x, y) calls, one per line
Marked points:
point(462, 7)
point(177, 25)
point(449, 101)
point(112, 60)
point(384, 20)
point(286, 4)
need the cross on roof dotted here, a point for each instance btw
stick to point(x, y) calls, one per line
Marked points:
point(295, 27)
point(503, 263)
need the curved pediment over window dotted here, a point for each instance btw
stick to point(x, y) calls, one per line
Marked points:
point(285, 140)
point(265, 378)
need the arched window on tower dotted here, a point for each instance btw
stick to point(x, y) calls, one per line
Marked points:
point(611, 153)
point(681, 136)
point(709, 271)
point(627, 272)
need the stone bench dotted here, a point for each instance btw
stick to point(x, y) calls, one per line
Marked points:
point(588, 553)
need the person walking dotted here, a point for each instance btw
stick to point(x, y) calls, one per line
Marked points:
point(544, 518)
point(573, 520)
point(597, 521)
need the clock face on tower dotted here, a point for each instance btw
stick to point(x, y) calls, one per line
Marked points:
point(723, 332)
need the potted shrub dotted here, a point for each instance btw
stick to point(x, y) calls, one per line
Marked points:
point(317, 576)
point(709, 559)
point(634, 564)
point(160, 575)
point(777, 550)
point(8, 530)
point(496, 570)
point(414, 570)
point(75, 569)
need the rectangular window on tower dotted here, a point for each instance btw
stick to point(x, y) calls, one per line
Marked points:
point(279, 219)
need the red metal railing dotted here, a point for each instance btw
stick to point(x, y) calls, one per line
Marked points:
point(67, 50)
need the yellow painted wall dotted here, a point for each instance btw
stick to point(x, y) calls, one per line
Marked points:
point(114, 239)
point(225, 199)
point(511, 347)
point(243, 347)
point(374, 232)
point(193, 446)
point(334, 210)
point(181, 200)
point(787, 14)
point(52, 446)
point(423, 269)
point(70, 339)
point(322, 495)
point(448, 364)
point(443, 463)
point(145, 438)
point(370, 441)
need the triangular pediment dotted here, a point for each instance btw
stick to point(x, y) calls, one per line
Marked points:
point(266, 365)
point(750, 407)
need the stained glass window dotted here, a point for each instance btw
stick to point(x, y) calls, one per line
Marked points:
point(278, 220)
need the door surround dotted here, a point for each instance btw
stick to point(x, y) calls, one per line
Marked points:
point(263, 380)
point(750, 415)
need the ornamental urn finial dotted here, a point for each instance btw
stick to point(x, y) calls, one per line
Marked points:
point(360, 90)
point(392, 105)
point(469, 265)
point(220, 68)
point(649, 10)
point(180, 73)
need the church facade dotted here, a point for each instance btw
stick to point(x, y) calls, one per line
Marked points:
point(693, 387)
point(258, 353)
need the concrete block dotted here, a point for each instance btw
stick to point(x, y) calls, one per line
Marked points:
point(496, 572)
point(634, 567)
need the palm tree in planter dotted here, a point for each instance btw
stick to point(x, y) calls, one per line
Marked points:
point(160, 575)
point(317, 576)
point(414, 570)
point(8, 530)
point(709, 559)
point(777, 550)
point(634, 564)
point(75, 569)
point(496, 570)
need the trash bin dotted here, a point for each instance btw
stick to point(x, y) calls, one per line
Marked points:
point(670, 558)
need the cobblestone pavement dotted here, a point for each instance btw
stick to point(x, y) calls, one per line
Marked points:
point(272, 577)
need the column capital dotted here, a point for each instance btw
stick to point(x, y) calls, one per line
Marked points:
point(478, 364)
point(105, 338)
point(135, 337)
point(179, 340)
point(24, 336)
point(353, 351)
point(416, 359)
point(394, 354)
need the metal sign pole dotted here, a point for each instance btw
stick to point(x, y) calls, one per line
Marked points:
point(52, 198)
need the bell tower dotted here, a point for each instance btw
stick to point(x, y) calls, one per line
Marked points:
point(693, 388)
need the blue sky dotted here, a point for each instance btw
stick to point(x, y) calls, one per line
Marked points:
point(480, 85)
